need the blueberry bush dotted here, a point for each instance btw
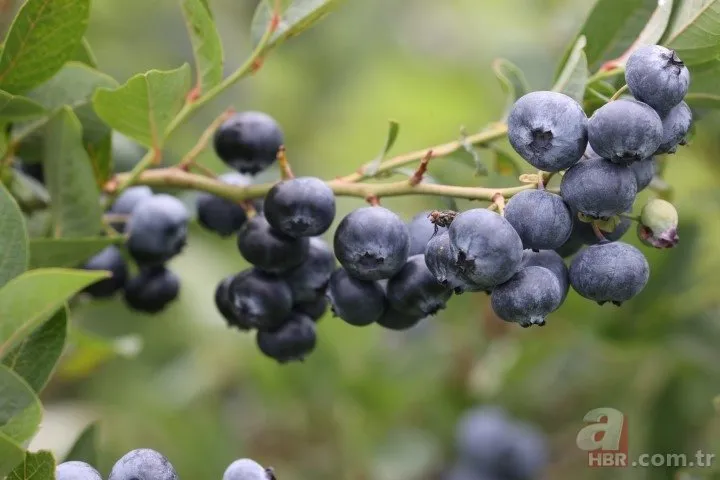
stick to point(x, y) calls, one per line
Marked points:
point(563, 201)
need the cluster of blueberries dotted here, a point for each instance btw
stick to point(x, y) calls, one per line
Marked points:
point(491, 445)
point(147, 464)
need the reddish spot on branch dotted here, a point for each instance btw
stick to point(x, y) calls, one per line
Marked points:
point(373, 200)
point(422, 168)
point(257, 64)
point(193, 94)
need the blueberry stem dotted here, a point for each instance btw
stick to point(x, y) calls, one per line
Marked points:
point(617, 94)
point(286, 172)
point(634, 218)
point(598, 233)
point(499, 200)
point(204, 140)
point(541, 182)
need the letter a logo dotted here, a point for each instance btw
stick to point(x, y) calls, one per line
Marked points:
point(607, 431)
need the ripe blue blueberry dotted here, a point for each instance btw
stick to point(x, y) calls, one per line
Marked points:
point(609, 272)
point(549, 130)
point(486, 248)
point(246, 469)
point(76, 471)
point(528, 297)
point(259, 300)
point(300, 207)
point(676, 125)
point(153, 289)
point(542, 219)
point(421, 231)
point(599, 188)
point(644, 171)
point(109, 259)
point(309, 280)
point(157, 229)
point(657, 76)
point(625, 131)
point(143, 464)
point(315, 308)
point(268, 249)
point(415, 291)
point(248, 142)
point(126, 201)
point(440, 261)
point(290, 342)
point(358, 302)
point(393, 319)
point(552, 261)
point(224, 305)
point(372, 243)
point(218, 214)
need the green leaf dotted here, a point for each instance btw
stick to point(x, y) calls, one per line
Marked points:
point(512, 80)
point(37, 466)
point(10, 455)
point(13, 107)
point(36, 356)
point(13, 239)
point(84, 54)
point(66, 252)
point(206, 44)
point(20, 409)
point(30, 299)
point(296, 17)
point(145, 106)
point(392, 134)
point(704, 87)
point(85, 447)
point(69, 177)
point(43, 36)
point(695, 31)
point(574, 75)
point(654, 29)
point(504, 164)
point(87, 352)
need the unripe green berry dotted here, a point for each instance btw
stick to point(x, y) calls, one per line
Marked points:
point(658, 224)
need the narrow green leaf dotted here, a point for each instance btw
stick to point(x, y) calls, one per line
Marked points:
point(512, 80)
point(574, 76)
point(86, 352)
point(206, 44)
point(695, 32)
point(36, 356)
point(69, 177)
point(504, 164)
point(20, 409)
point(30, 299)
point(392, 134)
point(66, 252)
point(298, 16)
point(704, 87)
point(13, 240)
point(10, 455)
point(145, 106)
point(14, 107)
point(85, 447)
point(84, 54)
point(37, 466)
point(43, 36)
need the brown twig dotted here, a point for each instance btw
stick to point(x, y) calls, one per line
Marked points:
point(285, 170)
point(499, 200)
point(422, 168)
point(204, 140)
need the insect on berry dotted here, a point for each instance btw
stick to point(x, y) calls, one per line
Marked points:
point(441, 219)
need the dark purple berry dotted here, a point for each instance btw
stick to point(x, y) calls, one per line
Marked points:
point(300, 207)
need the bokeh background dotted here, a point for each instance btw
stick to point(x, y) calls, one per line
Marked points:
point(369, 403)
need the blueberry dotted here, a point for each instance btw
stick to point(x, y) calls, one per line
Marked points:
point(248, 142)
point(143, 464)
point(421, 231)
point(109, 259)
point(157, 229)
point(224, 305)
point(644, 171)
point(358, 302)
point(218, 214)
point(440, 261)
point(300, 207)
point(552, 261)
point(656, 76)
point(549, 130)
point(676, 125)
point(269, 249)
point(152, 289)
point(312, 276)
point(609, 272)
point(394, 320)
point(76, 471)
point(625, 131)
point(315, 308)
point(372, 243)
point(125, 203)
point(246, 469)
point(599, 188)
point(541, 218)
point(486, 248)
point(259, 300)
point(528, 297)
point(415, 291)
point(291, 341)
point(465, 471)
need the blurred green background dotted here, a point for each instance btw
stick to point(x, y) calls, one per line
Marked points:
point(369, 403)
